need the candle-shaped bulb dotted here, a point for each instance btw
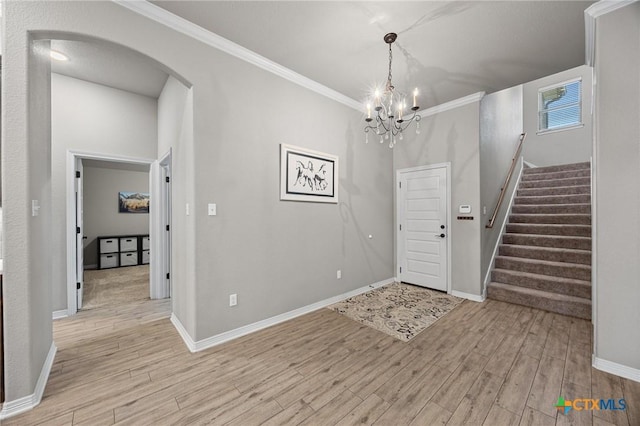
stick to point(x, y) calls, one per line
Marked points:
point(368, 110)
point(415, 97)
point(377, 97)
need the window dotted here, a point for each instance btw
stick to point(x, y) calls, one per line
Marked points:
point(560, 106)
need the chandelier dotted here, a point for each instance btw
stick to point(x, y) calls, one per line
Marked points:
point(386, 105)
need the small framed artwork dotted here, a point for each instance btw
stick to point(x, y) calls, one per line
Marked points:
point(307, 175)
point(133, 202)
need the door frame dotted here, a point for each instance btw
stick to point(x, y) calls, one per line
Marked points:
point(72, 157)
point(160, 236)
point(399, 172)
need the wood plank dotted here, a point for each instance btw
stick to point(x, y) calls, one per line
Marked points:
point(531, 417)
point(570, 392)
point(431, 414)
point(366, 413)
point(292, 415)
point(504, 356)
point(515, 390)
point(258, 414)
point(335, 410)
point(577, 369)
point(631, 392)
point(605, 386)
point(499, 416)
point(547, 385)
point(459, 382)
point(475, 405)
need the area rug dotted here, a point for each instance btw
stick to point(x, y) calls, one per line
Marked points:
point(107, 287)
point(399, 310)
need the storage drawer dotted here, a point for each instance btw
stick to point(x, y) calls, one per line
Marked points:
point(109, 245)
point(108, 261)
point(129, 244)
point(129, 259)
point(145, 243)
point(145, 257)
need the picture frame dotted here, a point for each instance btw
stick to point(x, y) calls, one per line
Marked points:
point(307, 175)
point(133, 202)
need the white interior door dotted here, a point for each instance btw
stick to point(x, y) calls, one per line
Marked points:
point(79, 234)
point(160, 228)
point(422, 212)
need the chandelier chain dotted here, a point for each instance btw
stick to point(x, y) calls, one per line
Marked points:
point(389, 84)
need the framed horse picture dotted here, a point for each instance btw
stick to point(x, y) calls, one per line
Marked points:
point(307, 175)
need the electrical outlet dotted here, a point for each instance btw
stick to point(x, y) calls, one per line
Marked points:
point(339, 274)
point(233, 299)
point(211, 209)
point(187, 209)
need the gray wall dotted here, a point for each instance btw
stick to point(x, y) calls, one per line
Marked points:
point(92, 118)
point(277, 256)
point(100, 203)
point(500, 128)
point(617, 173)
point(175, 133)
point(26, 176)
point(452, 136)
point(561, 147)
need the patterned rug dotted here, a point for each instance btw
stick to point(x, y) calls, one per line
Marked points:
point(399, 310)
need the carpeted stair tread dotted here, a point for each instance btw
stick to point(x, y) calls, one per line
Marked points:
point(552, 208)
point(558, 241)
point(560, 303)
point(558, 168)
point(550, 183)
point(549, 229)
point(556, 175)
point(564, 255)
point(544, 259)
point(568, 286)
point(558, 218)
point(544, 267)
point(553, 199)
point(556, 190)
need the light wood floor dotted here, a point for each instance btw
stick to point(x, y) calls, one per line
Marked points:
point(482, 364)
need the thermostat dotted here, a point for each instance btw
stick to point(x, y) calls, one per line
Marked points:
point(464, 209)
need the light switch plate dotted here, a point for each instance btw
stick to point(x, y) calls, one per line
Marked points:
point(212, 209)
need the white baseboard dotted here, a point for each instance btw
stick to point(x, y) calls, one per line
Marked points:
point(60, 314)
point(468, 296)
point(26, 403)
point(196, 346)
point(617, 369)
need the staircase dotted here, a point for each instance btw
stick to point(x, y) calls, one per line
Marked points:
point(544, 260)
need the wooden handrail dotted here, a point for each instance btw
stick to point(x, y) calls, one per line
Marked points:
point(506, 182)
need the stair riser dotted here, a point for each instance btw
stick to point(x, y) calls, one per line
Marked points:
point(579, 310)
point(568, 230)
point(558, 168)
point(554, 199)
point(556, 175)
point(551, 219)
point(562, 190)
point(579, 272)
point(569, 288)
point(552, 209)
point(553, 183)
point(542, 241)
point(541, 253)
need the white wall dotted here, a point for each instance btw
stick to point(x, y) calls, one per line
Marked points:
point(500, 128)
point(92, 118)
point(101, 210)
point(453, 136)
point(617, 204)
point(565, 146)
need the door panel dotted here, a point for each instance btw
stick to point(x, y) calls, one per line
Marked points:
point(422, 212)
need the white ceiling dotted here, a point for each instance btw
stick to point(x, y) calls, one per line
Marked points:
point(448, 49)
point(110, 65)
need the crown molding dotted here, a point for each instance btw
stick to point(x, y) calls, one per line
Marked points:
point(456, 103)
point(188, 28)
point(590, 14)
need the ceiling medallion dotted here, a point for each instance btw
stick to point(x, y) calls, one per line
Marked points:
point(386, 104)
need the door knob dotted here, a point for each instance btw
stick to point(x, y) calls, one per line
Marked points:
point(441, 226)
point(440, 235)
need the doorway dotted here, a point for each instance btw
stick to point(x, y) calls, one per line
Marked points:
point(422, 215)
point(76, 215)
